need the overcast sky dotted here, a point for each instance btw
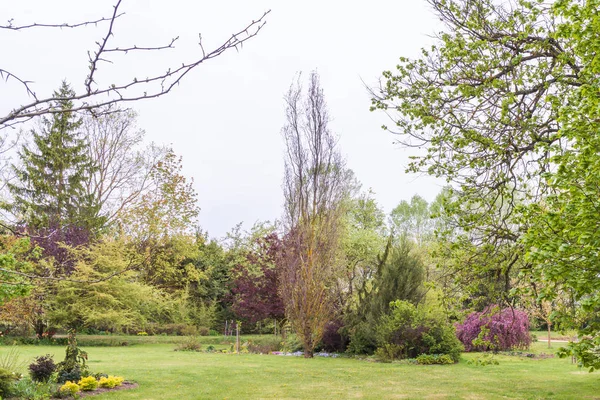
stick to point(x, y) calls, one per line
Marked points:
point(226, 117)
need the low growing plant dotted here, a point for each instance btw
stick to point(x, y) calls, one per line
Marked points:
point(264, 345)
point(27, 389)
point(42, 368)
point(189, 344)
point(110, 382)
point(430, 359)
point(88, 384)
point(69, 389)
point(483, 360)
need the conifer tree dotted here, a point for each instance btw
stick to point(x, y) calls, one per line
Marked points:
point(51, 188)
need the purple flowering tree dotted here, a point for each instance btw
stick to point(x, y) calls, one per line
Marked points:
point(495, 329)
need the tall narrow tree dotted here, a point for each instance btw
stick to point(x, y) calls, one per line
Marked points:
point(314, 186)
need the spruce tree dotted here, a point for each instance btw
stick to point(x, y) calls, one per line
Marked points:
point(51, 191)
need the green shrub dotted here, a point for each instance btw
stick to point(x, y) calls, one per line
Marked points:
point(88, 384)
point(110, 382)
point(264, 345)
point(7, 379)
point(363, 339)
point(203, 331)
point(430, 359)
point(291, 344)
point(27, 389)
point(42, 368)
point(172, 329)
point(73, 375)
point(190, 343)
point(388, 352)
point(69, 389)
point(410, 331)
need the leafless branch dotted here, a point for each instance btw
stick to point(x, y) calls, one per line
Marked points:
point(12, 27)
point(135, 89)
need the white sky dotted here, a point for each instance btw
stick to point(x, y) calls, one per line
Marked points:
point(226, 117)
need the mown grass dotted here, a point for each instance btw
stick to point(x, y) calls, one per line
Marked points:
point(543, 335)
point(165, 374)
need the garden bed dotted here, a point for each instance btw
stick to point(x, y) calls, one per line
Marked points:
point(124, 386)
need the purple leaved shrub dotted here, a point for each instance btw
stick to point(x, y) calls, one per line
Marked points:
point(495, 329)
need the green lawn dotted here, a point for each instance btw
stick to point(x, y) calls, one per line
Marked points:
point(543, 335)
point(165, 374)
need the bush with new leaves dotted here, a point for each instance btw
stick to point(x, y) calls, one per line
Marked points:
point(110, 382)
point(495, 329)
point(409, 331)
point(88, 384)
point(69, 389)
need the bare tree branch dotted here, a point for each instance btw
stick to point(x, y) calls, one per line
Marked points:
point(10, 24)
point(97, 97)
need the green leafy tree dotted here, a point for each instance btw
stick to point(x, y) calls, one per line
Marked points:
point(16, 258)
point(105, 292)
point(506, 106)
point(362, 240)
point(168, 208)
point(412, 219)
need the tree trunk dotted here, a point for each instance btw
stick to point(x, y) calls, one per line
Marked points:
point(39, 328)
point(549, 328)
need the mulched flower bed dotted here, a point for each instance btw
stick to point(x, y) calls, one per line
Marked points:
point(124, 386)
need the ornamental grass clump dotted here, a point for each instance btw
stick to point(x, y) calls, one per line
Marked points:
point(495, 329)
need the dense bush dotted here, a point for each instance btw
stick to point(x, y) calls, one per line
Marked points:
point(189, 344)
point(73, 375)
point(291, 344)
point(332, 339)
point(88, 384)
point(203, 331)
point(69, 389)
point(42, 368)
point(409, 331)
point(110, 382)
point(430, 359)
point(26, 340)
point(495, 329)
point(264, 345)
point(363, 339)
point(27, 389)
